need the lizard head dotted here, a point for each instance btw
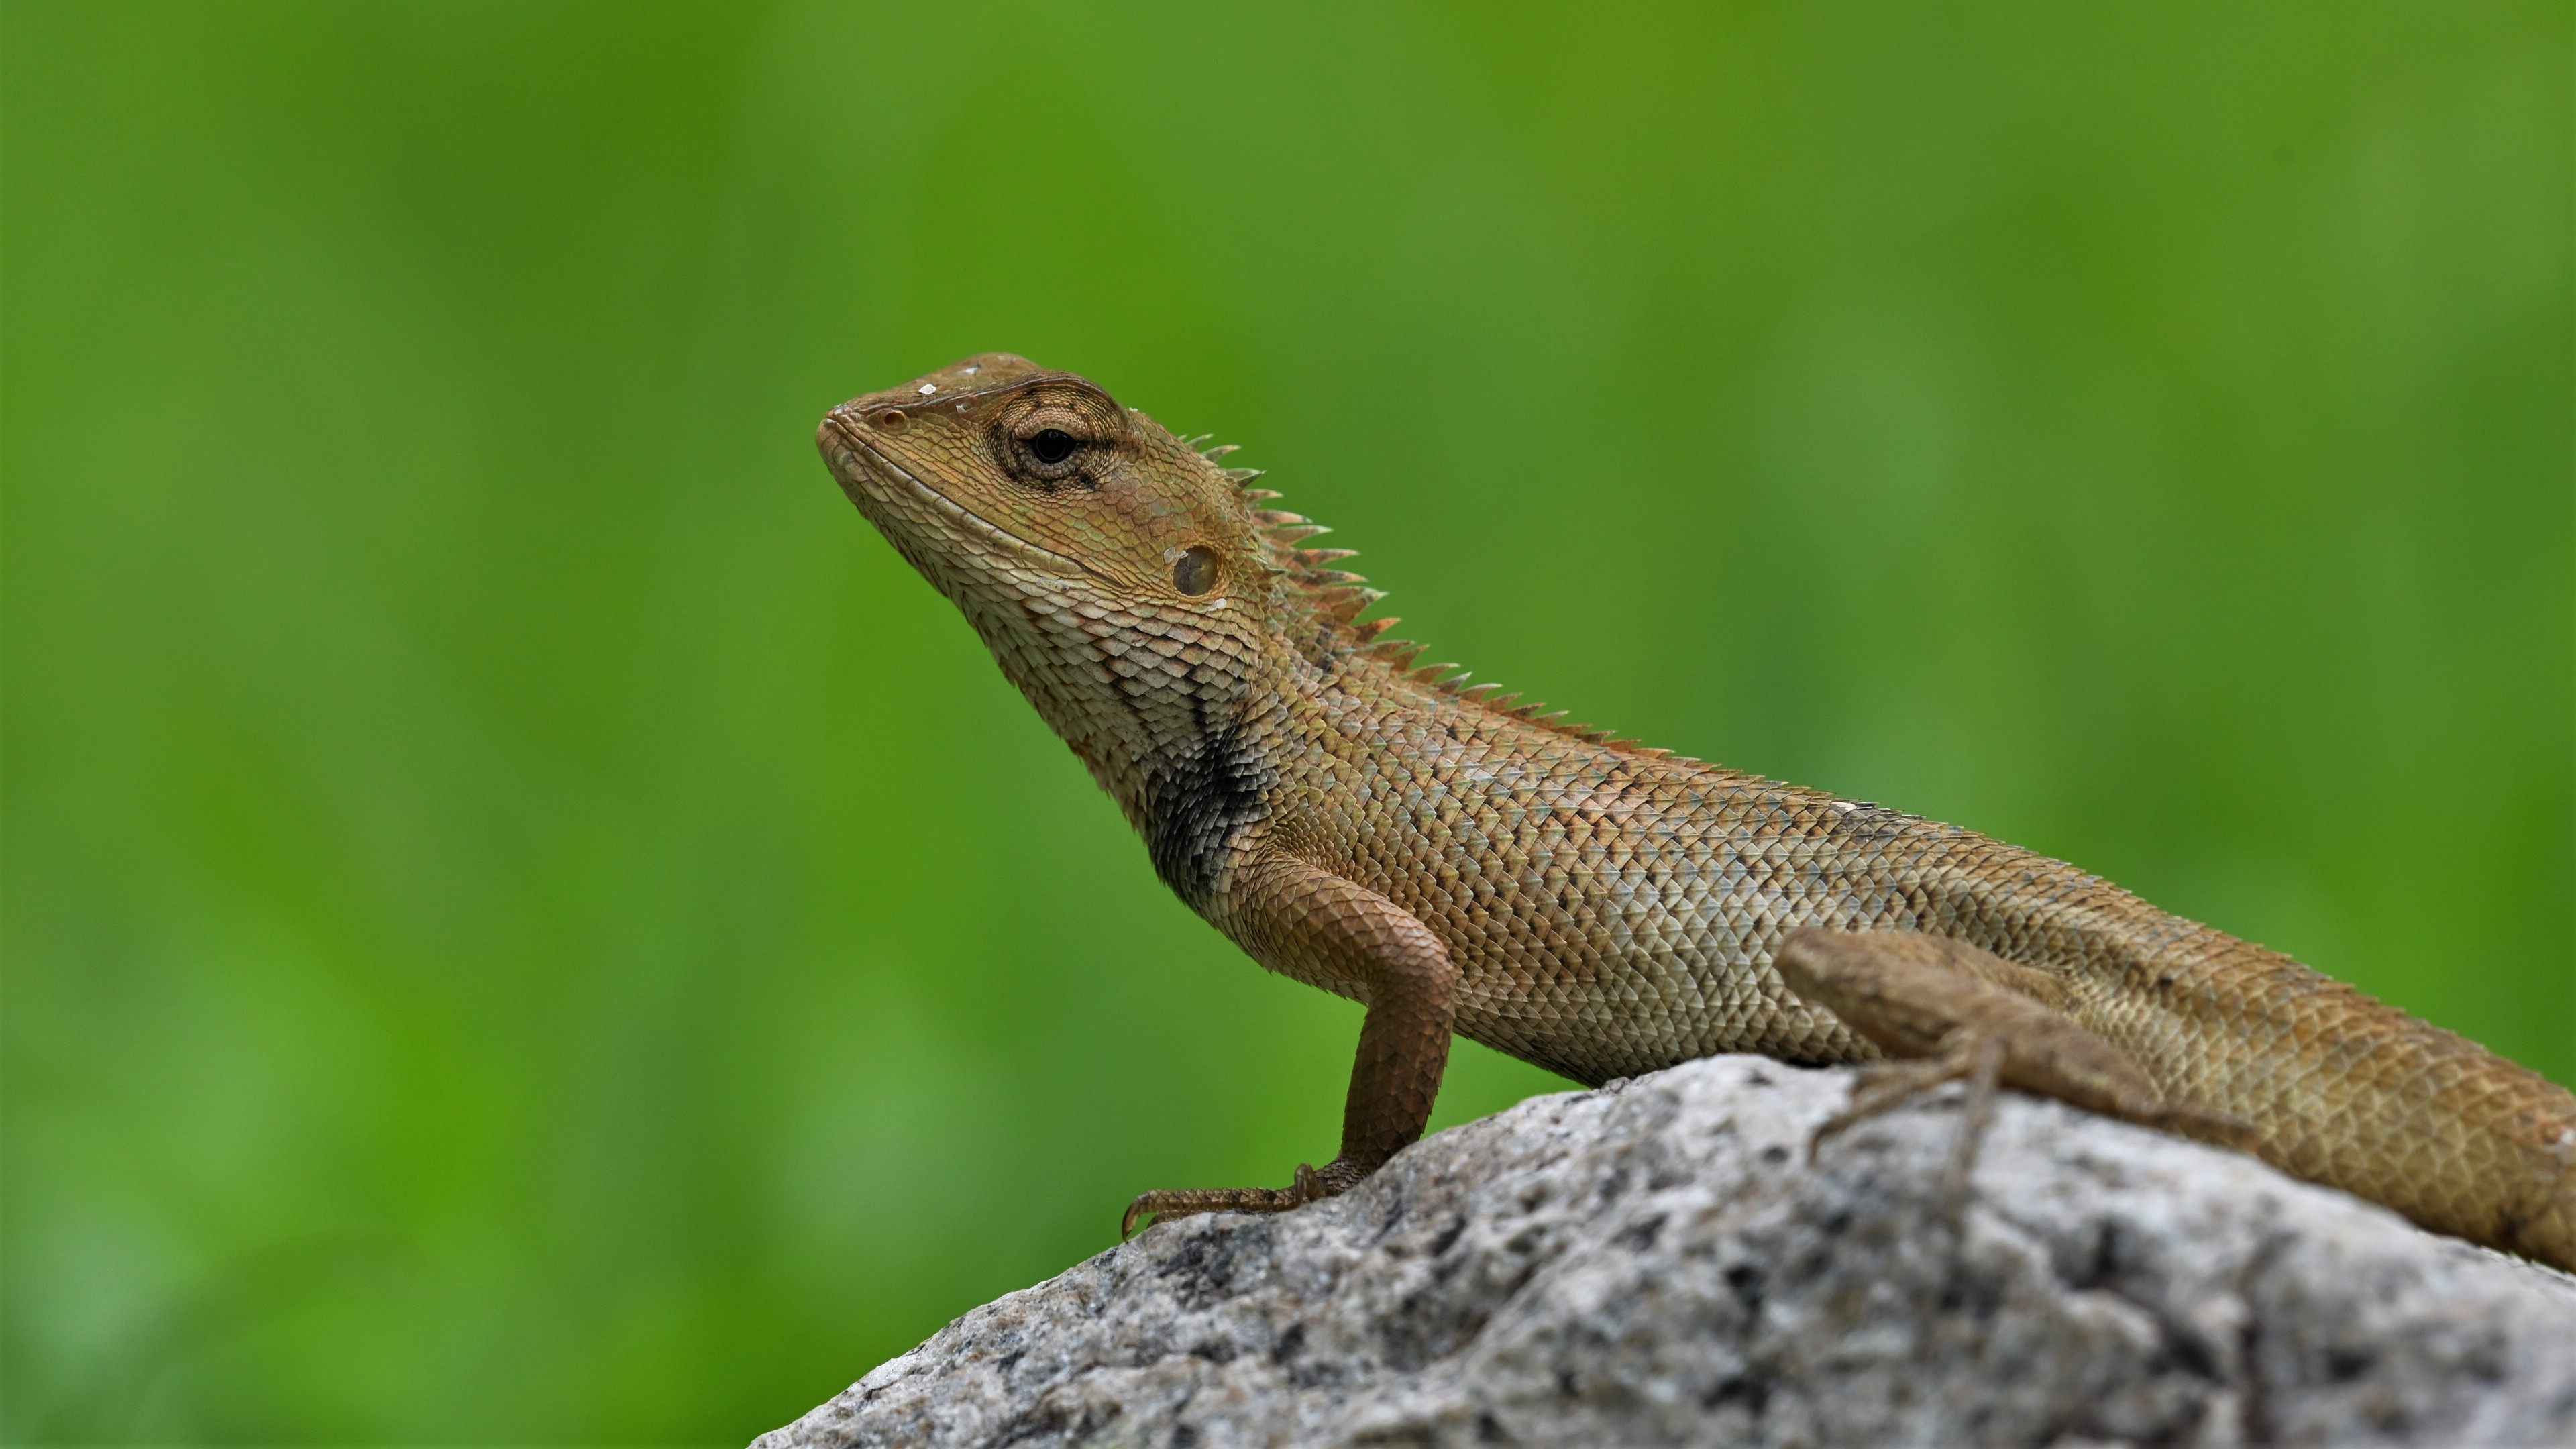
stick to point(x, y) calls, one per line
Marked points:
point(1123, 580)
point(995, 478)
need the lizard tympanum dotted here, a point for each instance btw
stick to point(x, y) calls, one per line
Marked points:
point(1456, 861)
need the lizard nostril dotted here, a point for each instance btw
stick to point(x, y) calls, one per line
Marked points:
point(891, 420)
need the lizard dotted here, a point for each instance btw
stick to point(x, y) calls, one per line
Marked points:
point(1460, 862)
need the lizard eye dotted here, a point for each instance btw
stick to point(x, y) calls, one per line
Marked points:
point(1053, 445)
point(1057, 440)
point(1194, 572)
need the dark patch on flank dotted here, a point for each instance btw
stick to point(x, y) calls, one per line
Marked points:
point(1196, 798)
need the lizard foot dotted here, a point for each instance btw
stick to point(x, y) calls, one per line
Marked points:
point(1887, 1085)
point(1311, 1185)
point(1978, 1060)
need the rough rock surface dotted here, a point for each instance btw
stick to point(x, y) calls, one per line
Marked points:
point(1657, 1263)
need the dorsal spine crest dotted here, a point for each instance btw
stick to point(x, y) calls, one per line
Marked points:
point(1333, 599)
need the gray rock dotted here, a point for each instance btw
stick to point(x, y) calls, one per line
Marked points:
point(1659, 1264)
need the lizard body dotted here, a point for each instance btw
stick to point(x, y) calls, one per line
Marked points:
point(1456, 862)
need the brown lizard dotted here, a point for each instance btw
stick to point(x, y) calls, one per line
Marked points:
point(1458, 862)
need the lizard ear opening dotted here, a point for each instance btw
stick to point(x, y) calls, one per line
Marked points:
point(1194, 572)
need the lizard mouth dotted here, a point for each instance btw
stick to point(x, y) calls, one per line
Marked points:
point(870, 465)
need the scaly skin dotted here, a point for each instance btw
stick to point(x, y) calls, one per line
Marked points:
point(1595, 907)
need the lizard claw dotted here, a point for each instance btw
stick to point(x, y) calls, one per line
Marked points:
point(1143, 1206)
point(1310, 1186)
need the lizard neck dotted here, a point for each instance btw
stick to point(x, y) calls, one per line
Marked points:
point(1166, 710)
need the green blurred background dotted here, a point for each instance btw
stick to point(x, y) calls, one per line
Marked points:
point(525, 920)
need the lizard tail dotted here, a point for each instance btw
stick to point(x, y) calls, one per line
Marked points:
point(2474, 1145)
point(2347, 1091)
point(2546, 1230)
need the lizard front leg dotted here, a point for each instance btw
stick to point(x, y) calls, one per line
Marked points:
point(1316, 925)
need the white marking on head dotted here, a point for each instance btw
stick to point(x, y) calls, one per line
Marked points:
point(928, 388)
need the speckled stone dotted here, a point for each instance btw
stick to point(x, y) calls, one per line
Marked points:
point(1657, 1263)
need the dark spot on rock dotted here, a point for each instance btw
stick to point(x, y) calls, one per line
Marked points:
point(2344, 1364)
point(2257, 1414)
point(1216, 1353)
point(1489, 1430)
point(1395, 1216)
point(1756, 1079)
point(1566, 1385)
point(1638, 1236)
point(1185, 1436)
point(1050, 1420)
point(1290, 1344)
point(2186, 1352)
point(1775, 1154)
point(1449, 1236)
point(1210, 1262)
point(1753, 1395)
point(1314, 1376)
point(1981, 1297)
point(2103, 1265)
point(1745, 1281)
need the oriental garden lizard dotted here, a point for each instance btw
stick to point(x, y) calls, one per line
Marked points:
point(1460, 863)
